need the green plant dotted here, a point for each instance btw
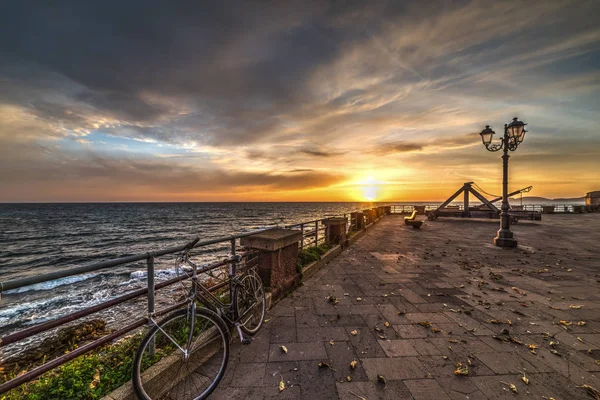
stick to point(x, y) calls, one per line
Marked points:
point(310, 255)
point(91, 376)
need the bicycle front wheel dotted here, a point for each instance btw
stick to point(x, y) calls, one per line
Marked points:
point(250, 303)
point(175, 361)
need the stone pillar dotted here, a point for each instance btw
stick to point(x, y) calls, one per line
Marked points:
point(387, 210)
point(360, 220)
point(373, 214)
point(336, 230)
point(277, 258)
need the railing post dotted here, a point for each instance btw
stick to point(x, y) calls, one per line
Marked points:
point(151, 300)
point(316, 232)
point(302, 240)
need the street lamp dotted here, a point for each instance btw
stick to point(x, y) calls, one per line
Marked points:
point(514, 133)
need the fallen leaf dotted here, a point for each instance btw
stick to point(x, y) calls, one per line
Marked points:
point(461, 369)
point(353, 364)
point(387, 324)
point(580, 339)
point(381, 379)
point(436, 330)
point(595, 393)
point(323, 364)
point(570, 270)
point(349, 378)
point(284, 349)
point(575, 307)
point(495, 321)
point(525, 379)
point(281, 385)
point(358, 299)
point(266, 320)
point(96, 380)
point(331, 342)
point(425, 323)
point(401, 312)
point(332, 299)
point(511, 387)
point(354, 332)
point(565, 323)
point(581, 323)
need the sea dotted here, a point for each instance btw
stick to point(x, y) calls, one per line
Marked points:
point(42, 238)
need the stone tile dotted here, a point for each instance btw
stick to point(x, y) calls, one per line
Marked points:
point(506, 363)
point(275, 371)
point(398, 348)
point(248, 374)
point(298, 352)
point(315, 382)
point(340, 356)
point(321, 333)
point(394, 390)
point(394, 368)
point(365, 343)
point(237, 393)
point(426, 389)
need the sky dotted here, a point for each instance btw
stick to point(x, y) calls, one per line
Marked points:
point(294, 101)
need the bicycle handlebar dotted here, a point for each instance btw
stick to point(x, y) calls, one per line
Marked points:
point(191, 244)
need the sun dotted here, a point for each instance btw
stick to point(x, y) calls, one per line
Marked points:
point(369, 188)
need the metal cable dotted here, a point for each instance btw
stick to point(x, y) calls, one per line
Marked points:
point(481, 190)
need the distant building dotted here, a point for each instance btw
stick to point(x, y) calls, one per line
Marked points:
point(592, 198)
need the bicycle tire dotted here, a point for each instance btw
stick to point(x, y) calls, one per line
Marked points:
point(170, 380)
point(249, 288)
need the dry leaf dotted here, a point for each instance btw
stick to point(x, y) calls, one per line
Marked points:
point(381, 379)
point(323, 364)
point(511, 387)
point(387, 324)
point(353, 364)
point(266, 320)
point(354, 332)
point(401, 312)
point(96, 380)
point(358, 299)
point(580, 339)
point(581, 323)
point(595, 393)
point(575, 307)
point(435, 330)
point(349, 378)
point(331, 342)
point(565, 323)
point(281, 385)
point(332, 299)
point(284, 349)
point(425, 323)
point(525, 379)
point(495, 321)
point(461, 369)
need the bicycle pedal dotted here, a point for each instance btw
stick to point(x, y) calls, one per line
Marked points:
point(246, 340)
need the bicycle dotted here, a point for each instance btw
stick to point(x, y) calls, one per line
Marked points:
point(184, 356)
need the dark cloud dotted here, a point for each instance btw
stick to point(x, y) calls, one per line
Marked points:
point(321, 152)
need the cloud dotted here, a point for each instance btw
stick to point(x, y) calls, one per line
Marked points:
point(243, 88)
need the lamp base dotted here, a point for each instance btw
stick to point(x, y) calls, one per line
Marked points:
point(505, 242)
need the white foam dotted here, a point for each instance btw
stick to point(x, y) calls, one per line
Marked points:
point(52, 284)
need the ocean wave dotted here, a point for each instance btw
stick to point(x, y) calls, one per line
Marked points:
point(52, 284)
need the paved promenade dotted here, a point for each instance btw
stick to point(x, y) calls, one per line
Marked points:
point(413, 304)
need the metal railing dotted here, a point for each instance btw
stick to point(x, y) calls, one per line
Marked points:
point(543, 208)
point(150, 291)
point(313, 233)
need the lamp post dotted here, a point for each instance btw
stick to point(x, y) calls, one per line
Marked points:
point(514, 133)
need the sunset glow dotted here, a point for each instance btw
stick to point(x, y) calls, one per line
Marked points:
point(379, 102)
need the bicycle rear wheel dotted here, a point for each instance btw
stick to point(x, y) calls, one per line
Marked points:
point(174, 362)
point(250, 303)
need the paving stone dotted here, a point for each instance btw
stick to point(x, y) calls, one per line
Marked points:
point(248, 374)
point(298, 352)
point(426, 389)
point(321, 333)
point(394, 368)
point(393, 390)
point(506, 363)
point(398, 348)
point(315, 382)
point(340, 355)
point(365, 343)
point(275, 371)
